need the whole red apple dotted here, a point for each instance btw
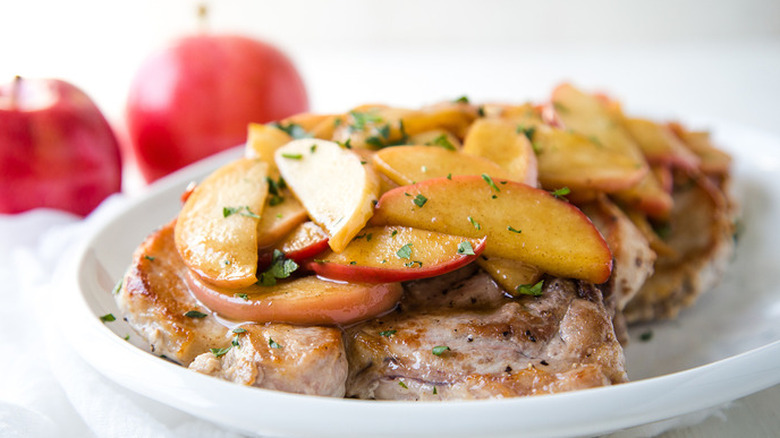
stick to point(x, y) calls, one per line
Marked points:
point(197, 96)
point(56, 148)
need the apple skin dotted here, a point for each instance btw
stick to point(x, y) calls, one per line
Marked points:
point(360, 261)
point(196, 98)
point(307, 301)
point(57, 153)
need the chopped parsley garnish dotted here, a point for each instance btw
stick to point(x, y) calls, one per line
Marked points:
point(646, 336)
point(402, 384)
point(244, 297)
point(475, 223)
point(313, 148)
point(528, 132)
point(560, 193)
point(434, 388)
point(292, 156)
point(420, 200)
point(195, 314)
point(239, 330)
point(405, 252)
point(347, 144)
point(108, 317)
point(242, 210)
point(275, 190)
point(150, 258)
point(218, 352)
point(281, 267)
point(465, 248)
point(490, 182)
point(117, 287)
point(374, 141)
point(234, 342)
point(439, 349)
point(274, 344)
point(361, 119)
point(414, 263)
point(393, 233)
point(294, 130)
point(443, 141)
point(387, 333)
point(353, 262)
point(514, 230)
point(449, 176)
point(461, 99)
point(530, 289)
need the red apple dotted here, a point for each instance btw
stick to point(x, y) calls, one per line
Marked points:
point(197, 97)
point(56, 148)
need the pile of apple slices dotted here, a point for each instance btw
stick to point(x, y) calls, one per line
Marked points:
point(327, 214)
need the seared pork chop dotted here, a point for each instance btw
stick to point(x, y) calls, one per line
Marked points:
point(304, 360)
point(156, 302)
point(463, 338)
point(701, 236)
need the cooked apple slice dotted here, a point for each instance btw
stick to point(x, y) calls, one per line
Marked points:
point(569, 159)
point(660, 145)
point(216, 231)
point(590, 116)
point(713, 160)
point(334, 185)
point(305, 241)
point(409, 164)
point(520, 222)
point(505, 143)
point(649, 196)
point(262, 141)
point(387, 254)
point(307, 301)
point(436, 137)
point(281, 214)
point(512, 275)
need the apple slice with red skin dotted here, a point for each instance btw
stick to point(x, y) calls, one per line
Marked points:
point(395, 253)
point(520, 222)
point(307, 240)
point(307, 300)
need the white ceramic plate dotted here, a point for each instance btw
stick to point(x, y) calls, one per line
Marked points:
point(726, 347)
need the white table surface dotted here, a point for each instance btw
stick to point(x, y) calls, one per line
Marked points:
point(734, 81)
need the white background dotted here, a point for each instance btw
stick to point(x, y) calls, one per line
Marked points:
point(671, 58)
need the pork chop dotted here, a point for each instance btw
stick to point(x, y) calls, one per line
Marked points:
point(156, 301)
point(460, 337)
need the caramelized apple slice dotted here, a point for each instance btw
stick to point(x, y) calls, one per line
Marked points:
point(520, 222)
point(281, 214)
point(436, 137)
point(568, 159)
point(660, 145)
point(590, 116)
point(306, 301)
point(410, 164)
point(649, 196)
point(216, 231)
point(262, 141)
point(505, 143)
point(332, 183)
point(512, 275)
point(388, 254)
point(304, 242)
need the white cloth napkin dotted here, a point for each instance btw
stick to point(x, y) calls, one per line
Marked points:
point(46, 388)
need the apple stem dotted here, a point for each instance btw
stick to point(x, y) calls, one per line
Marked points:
point(203, 17)
point(15, 91)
